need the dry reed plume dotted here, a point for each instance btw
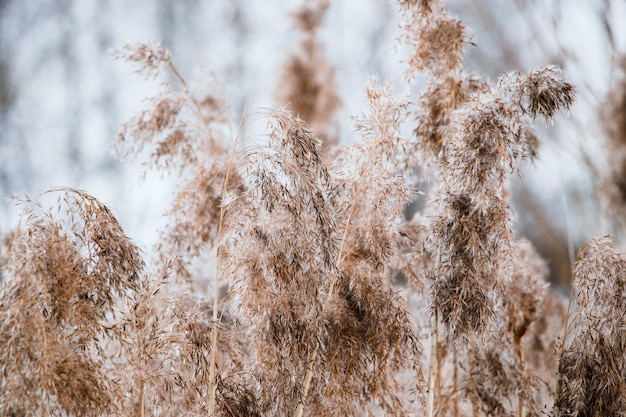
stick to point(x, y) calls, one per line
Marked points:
point(592, 364)
point(273, 290)
point(613, 119)
point(307, 84)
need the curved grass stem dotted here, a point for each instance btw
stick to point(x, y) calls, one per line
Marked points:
point(214, 330)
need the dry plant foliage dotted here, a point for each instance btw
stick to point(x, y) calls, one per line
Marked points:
point(613, 119)
point(302, 248)
point(308, 82)
point(186, 134)
point(314, 272)
point(593, 365)
point(437, 41)
point(471, 233)
point(63, 277)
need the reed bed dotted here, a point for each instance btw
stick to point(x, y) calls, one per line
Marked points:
point(289, 280)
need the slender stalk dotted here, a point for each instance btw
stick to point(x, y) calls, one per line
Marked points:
point(307, 385)
point(570, 250)
point(520, 402)
point(197, 106)
point(432, 369)
point(439, 381)
point(142, 409)
point(455, 387)
point(212, 365)
point(557, 390)
point(220, 227)
point(343, 243)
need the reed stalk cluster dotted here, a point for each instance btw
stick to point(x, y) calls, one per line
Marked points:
point(290, 282)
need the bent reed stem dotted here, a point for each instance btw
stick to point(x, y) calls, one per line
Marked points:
point(572, 257)
point(521, 412)
point(432, 369)
point(309, 372)
point(220, 227)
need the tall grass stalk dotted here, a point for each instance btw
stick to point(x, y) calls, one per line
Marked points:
point(220, 228)
point(433, 366)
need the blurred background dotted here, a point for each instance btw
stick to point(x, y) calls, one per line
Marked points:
point(63, 98)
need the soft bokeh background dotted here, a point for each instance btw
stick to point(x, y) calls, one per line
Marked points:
point(63, 97)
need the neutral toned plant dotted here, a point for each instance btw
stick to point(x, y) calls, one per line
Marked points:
point(471, 234)
point(307, 84)
point(592, 366)
point(312, 270)
point(477, 134)
point(303, 246)
point(613, 119)
point(65, 270)
point(188, 135)
point(436, 42)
